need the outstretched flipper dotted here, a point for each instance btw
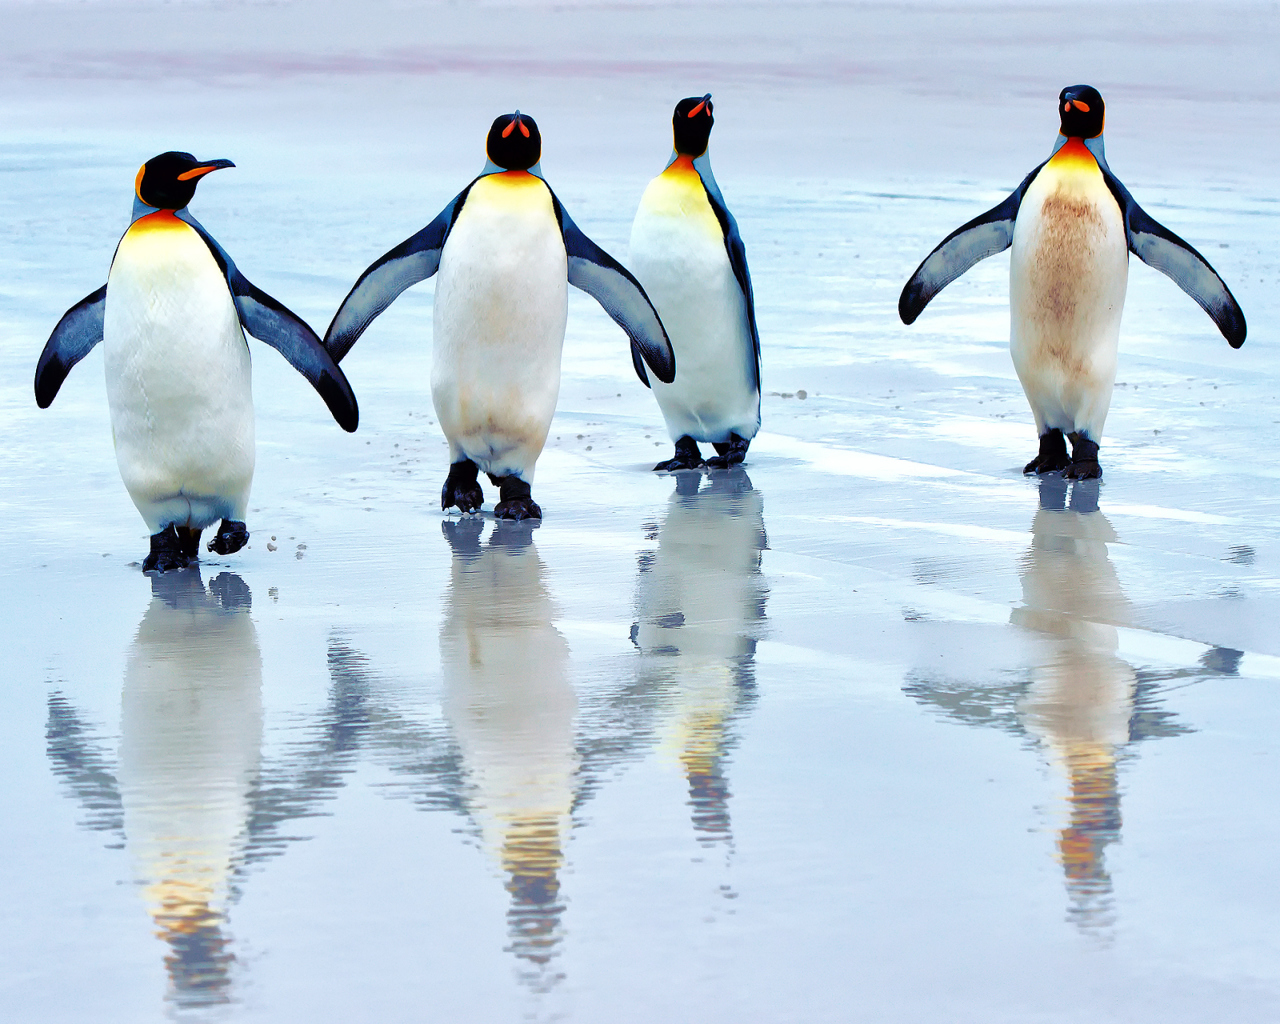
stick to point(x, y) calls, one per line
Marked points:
point(271, 322)
point(985, 235)
point(413, 260)
point(611, 284)
point(77, 332)
point(1160, 248)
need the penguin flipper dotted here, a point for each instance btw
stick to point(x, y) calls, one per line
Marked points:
point(1160, 248)
point(413, 260)
point(77, 332)
point(985, 235)
point(611, 284)
point(738, 261)
point(272, 323)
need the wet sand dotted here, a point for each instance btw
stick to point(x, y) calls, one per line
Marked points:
point(873, 728)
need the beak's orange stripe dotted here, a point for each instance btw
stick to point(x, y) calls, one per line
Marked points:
point(509, 129)
point(698, 109)
point(195, 172)
point(1081, 105)
point(523, 130)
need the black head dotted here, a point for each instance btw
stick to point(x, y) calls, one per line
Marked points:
point(692, 123)
point(514, 142)
point(168, 181)
point(1081, 110)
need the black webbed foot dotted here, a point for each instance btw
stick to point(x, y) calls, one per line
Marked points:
point(166, 552)
point(462, 487)
point(731, 453)
point(517, 501)
point(230, 538)
point(687, 457)
point(1053, 454)
point(190, 541)
point(1084, 459)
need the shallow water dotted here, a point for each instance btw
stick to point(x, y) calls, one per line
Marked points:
point(872, 728)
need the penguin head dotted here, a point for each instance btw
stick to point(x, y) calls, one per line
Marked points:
point(514, 142)
point(692, 123)
point(168, 181)
point(1081, 110)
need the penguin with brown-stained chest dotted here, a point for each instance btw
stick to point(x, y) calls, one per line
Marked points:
point(1072, 225)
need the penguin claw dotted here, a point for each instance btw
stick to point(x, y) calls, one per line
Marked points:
point(1085, 469)
point(731, 453)
point(165, 561)
point(523, 507)
point(1039, 466)
point(687, 456)
point(462, 488)
point(231, 537)
point(467, 500)
point(166, 552)
point(677, 464)
point(1052, 456)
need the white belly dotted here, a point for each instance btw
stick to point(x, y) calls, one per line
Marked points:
point(178, 379)
point(500, 309)
point(678, 254)
point(1069, 270)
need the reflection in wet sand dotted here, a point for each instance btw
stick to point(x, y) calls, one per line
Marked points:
point(700, 606)
point(190, 737)
point(1081, 695)
point(1083, 702)
point(511, 708)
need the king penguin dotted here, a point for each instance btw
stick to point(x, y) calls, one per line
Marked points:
point(171, 318)
point(1072, 225)
point(686, 251)
point(506, 250)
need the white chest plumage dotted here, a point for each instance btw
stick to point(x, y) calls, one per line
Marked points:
point(178, 378)
point(1068, 275)
point(678, 254)
point(499, 319)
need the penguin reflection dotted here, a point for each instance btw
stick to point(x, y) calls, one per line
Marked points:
point(700, 604)
point(1081, 696)
point(1083, 702)
point(511, 708)
point(191, 733)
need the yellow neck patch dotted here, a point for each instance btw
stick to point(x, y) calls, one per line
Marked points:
point(161, 220)
point(678, 192)
point(1074, 156)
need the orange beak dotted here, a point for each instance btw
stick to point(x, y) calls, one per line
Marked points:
point(203, 169)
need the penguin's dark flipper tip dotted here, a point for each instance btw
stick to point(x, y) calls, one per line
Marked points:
point(230, 538)
point(523, 507)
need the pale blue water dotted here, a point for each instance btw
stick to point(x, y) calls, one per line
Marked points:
point(873, 729)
